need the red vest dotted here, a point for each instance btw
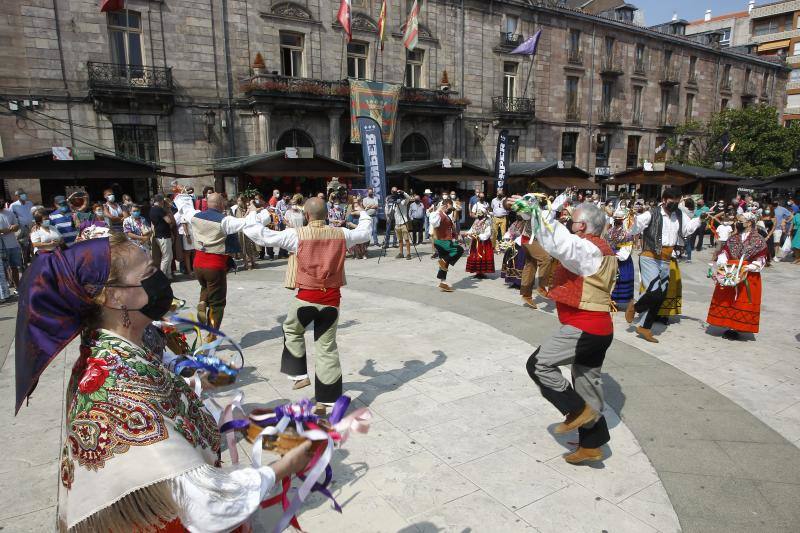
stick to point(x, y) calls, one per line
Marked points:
point(590, 293)
point(319, 262)
point(446, 230)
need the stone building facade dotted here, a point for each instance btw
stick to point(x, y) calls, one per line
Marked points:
point(179, 81)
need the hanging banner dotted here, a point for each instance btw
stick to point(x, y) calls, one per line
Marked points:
point(376, 100)
point(374, 163)
point(501, 159)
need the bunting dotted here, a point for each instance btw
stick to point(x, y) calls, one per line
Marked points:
point(411, 36)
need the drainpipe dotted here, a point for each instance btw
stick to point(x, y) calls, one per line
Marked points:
point(229, 73)
point(461, 129)
point(591, 102)
point(64, 73)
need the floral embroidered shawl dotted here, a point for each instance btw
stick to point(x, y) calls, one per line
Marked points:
point(752, 248)
point(131, 426)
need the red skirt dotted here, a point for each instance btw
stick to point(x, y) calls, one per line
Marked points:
point(481, 258)
point(737, 308)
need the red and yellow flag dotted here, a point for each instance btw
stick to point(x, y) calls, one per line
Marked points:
point(410, 38)
point(382, 25)
point(345, 17)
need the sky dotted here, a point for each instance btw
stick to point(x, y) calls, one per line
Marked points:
point(657, 11)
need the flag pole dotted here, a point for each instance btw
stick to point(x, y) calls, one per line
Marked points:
point(528, 79)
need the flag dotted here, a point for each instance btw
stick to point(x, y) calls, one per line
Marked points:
point(344, 18)
point(111, 5)
point(411, 35)
point(382, 25)
point(661, 147)
point(374, 163)
point(528, 48)
point(501, 159)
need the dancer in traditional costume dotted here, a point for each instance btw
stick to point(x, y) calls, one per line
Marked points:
point(444, 234)
point(622, 245)
point(673, 299)
point(141, 451)
point(660, 228)
point(736, 303)
point(517, 235)
point(316, 270)
point(481, 252)
point(582, 286)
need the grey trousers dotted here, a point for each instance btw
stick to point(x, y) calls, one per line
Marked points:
point(585, 352)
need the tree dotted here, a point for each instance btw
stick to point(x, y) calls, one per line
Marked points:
point(763, 147)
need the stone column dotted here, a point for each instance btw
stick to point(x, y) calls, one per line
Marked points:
point(334, 118)
point(264, 115)
point(448, 137)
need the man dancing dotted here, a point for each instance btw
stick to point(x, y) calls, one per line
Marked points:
point(444, 235)
point(582, 285)
point(316, 269)
point(660, 228)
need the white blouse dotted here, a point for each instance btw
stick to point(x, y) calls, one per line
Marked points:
point(45, 235)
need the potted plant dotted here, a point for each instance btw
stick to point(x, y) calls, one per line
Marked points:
point(259, 67)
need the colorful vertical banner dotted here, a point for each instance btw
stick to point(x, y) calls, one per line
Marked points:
point(411, 35)
point(374, 162)
point(501, 159)
point(376, 100)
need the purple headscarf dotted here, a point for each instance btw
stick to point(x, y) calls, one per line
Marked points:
point(55, 294)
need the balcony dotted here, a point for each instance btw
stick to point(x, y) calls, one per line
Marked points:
point(320, 95)
point(750, 90)
point(667, 121)
point(117, 88)
point(670, 75)
point(612, 65)
point(508, 108)
point(609, 116)
point(510, 40)
point(575, 56)
point(726, 85)
point(692, 79)
point(573, 113)
point(638, 118)
point(639, 67)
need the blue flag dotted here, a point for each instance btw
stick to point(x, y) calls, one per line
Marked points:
point(374, 163)
point(529, 46)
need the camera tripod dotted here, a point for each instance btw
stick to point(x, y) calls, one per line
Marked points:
point(405, 223)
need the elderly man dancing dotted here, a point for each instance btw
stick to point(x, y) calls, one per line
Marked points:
point(316, 270)
point(582, 285)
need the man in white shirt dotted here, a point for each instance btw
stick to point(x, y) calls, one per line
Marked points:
point(23, 210)
point(499, 217)
point(370, 203)
point(661, 227)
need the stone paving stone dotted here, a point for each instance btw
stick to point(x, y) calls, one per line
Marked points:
point(33, 489)
point(652, 506)
point(34, 522)
point(576, 508)
point(476, 512)
point(765, 462)
point(458, 442)
point(513, 478)
point(418, 484)
point(704, 457)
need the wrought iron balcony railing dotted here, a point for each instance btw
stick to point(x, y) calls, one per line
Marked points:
point(726, 85)
point(510, 39)
point(129, 77)
point(638, 118)
point(638, 67)
point(667, 121)
point(750, 90)
point(505, 105)
point(670, 75)
point(290, 86)
point(575, 56)
point(611, 65)
point(692, 78)
point(609, 114)
point(573, 112)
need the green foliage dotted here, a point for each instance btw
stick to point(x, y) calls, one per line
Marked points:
point(763, 146)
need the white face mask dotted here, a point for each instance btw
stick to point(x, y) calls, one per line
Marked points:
point(111, 198)
point(452, 196)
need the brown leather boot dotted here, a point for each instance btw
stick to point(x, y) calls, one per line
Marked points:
point(528, 301)
point(301, 383)
point(575, 421)
point(444, 287)
point(646, 334)
point(630, 312)
point(584, 455)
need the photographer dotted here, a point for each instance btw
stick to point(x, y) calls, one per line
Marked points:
point(399, 215)
point(388, 208)
point(416, 217)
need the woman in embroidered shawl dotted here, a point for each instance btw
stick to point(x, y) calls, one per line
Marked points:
point(738, 308)
point(518, 234)
point(621, 243)
point(141, 451)
point(481, 253)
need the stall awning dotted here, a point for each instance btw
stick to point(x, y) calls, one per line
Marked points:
point(557, 183)
point(678, 175)
point(434, 171)
point(103, 166)
point(278, 165)
point(549, 175)
point(651, 178)
point(774, 45)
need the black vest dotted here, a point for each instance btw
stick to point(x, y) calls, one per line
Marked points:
point(651, 237)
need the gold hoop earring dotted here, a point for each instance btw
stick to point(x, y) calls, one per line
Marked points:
point(126, 318)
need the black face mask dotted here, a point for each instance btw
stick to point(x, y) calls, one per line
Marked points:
point(159, 296)
point(671, 207)
point(739, 227)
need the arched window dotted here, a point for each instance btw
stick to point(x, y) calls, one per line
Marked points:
point(352, 153)
point(414, 148)
point(294, 139)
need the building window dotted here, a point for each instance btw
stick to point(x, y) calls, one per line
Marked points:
point(414, 148)
point(723, 105)
point(794, 75)
point(689, 107)
point(509, 80)
point(796, 47)
point(602, 151)
point(638, 58)
point(291, 54)
point(725, 38)
point(773, 25)
point(294, 139)
point(693, 68)
point(665, 94)
point(632, 155)
point(574, 46)
point(572, 98)
point(667, 58)
point(569, 146)
point(765, 84)
point(363, 4)
point(726, 77)
point(511, 25)
point(637, 104)
point(609, 46)
point(660, 154)
point(608, 94)
point(414, 60)
point(135, 141)
point(513, 148)
point(125, 31)
point(357, 60)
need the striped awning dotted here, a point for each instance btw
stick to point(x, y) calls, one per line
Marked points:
point(774, 45)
